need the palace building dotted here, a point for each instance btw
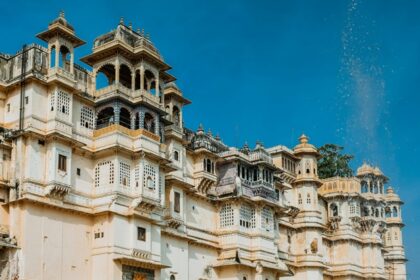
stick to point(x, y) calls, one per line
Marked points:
point(99, 179)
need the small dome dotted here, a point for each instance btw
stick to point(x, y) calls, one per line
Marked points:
point(172, 84)
point(365, 169)
point(62, 20)
point(304, 146)
point(391, 195)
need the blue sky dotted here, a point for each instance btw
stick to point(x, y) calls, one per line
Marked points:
point(343, 72)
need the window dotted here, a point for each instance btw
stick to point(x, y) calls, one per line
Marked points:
point(63, 103)
point(98, 235)
point(267, 219)
point(395, 235)
point(26, 100)
point(352, 209)
point(308, 199)
point(86, 117)
point(226, 216)
point(247, 216)
point(62, 163)
point(104, 173)
point(124, 174)
point(176, 155)
point(333, 210)
point(78, 171)
point(177, 202)
point(141, 234)
point(149, 176)
point(8, 107)
point(172, 277)
point(299, 199)
point(394, 212)
point(41, 142)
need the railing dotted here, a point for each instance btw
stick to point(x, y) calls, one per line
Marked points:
point(119, 128)
point(260, 156)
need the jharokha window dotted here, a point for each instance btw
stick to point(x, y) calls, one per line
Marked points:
point(62, 163)
point(177, 202)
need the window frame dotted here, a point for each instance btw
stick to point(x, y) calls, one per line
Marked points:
point(62, 163)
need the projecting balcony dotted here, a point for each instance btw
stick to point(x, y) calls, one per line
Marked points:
point(204, 181)
point(130, 139)
point(259, 188)
point(118, 89)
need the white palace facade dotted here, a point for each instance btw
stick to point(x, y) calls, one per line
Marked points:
point(104, 182)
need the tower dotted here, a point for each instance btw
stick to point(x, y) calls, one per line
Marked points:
point(62, 41)
point(308, 236)
point(394, 257)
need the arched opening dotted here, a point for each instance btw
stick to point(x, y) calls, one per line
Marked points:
point(150, 82)
point(394, 212)
point(172, 277)
point(52, 57)
point(137, 121)
point(125, 76)
point(105, 118)
point(371, 187)
point(105, 76)
point(176, 116)
point(365, 211)
point(334, 210)
point(125, 119)
point(364, 187)
point(387, 212)
point(376, 213)
point(149, 123)
point(64, 58)
point(137, 80)
point(375, 188)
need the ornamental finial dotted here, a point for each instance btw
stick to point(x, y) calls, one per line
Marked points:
point(122, 20)
point(61, 15)
point(303, 139)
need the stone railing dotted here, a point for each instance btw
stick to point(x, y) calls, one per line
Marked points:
point(119, 128)
point(338, 184)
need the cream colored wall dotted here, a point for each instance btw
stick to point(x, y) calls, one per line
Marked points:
point(52, 239)
point(175, 254)
point(204, 214)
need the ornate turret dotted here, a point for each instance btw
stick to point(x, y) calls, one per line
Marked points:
point(61, 40)
point(307, 169)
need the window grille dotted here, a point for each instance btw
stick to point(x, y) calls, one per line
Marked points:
point(267, 219)
point(308, 199)
point(247, 216)
point(52, 101)
point(352, 209)
point(104, 173)
point(86, 117)
point(63, 103)
point(124, 174)
point(137, 175)
point(149, 176)
point(226, 216)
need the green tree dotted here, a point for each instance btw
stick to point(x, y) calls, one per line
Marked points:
point(334, 162)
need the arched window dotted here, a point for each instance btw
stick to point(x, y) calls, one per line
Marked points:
point(105, 117)
point(172, 277)
point(365, 211)
point(176, 155)
point(176, 116)
point(395, 235)
point(308, 199)
point(334, 210)
point(150, 82)
point(387, 212)
point(352, 209)
point(375, 188)
point(394, 212)
point(53, 63)
point(64, 58)
point(149, 123)
point(105, 76)
point(376, 213)
point(137, 120)
point(364, 187)
point(125, 76)
point(125, 119)
point(299, 199)
point(137, 80)
point(371, 186)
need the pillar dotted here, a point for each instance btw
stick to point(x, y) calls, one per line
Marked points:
point(57, 55)
point(142, 78)
point(116, 107)
point(117, 72)
point(133, 80)
point(157, 86)
point(72, 62)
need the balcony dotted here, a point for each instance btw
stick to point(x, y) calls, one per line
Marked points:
point(118, 135)
point(204, 181)
point(118, 89)
point(173, 219)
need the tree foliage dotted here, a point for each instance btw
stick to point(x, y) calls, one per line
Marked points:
point(334, 162)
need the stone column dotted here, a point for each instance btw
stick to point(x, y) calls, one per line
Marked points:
point(142, 78)
point(133, 80)
point(57, 55)
point(117, 72)
point(72, 62)
point(157, 86)
point(116, 107)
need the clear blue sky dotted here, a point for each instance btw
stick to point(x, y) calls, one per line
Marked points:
point(344, 72)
